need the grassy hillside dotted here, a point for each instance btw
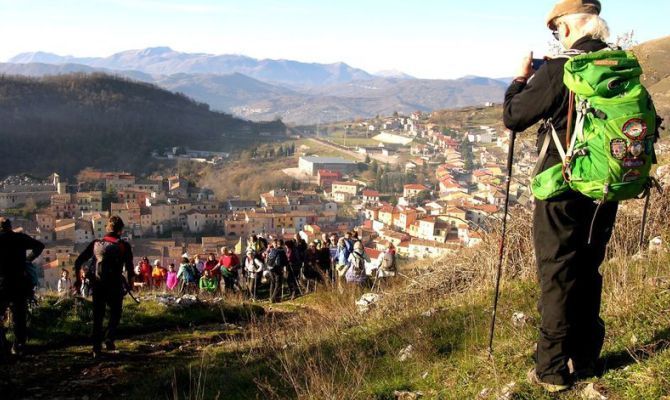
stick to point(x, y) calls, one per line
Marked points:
point(467, 117)
point(68, 122)
point(655, 58)
point(320, 347)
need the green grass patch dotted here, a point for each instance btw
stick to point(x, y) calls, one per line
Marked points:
point(70, 321)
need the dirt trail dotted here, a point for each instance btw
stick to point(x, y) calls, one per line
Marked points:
point(69, 372)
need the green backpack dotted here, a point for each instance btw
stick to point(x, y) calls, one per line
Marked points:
point(611, 149)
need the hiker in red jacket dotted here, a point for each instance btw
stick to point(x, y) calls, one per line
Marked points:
point(213, 266)
point(230, 265)
point(145, 271)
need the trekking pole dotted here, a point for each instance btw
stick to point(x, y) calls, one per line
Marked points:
point(644, 218)
point(501, 253)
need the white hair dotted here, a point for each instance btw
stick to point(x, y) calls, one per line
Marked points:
point(588, 25)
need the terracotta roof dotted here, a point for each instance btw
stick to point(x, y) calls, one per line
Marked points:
point(415, 186)
point(328, 173)
point(487, 208)
point(372, 253)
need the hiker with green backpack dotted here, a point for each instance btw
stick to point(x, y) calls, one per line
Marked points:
point(596, 146)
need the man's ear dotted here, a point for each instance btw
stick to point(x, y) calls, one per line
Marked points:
point(567, 30)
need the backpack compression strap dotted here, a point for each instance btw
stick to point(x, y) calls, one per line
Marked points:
point(548, 137)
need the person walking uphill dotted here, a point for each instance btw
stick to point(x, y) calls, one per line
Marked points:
point(591, 101)
point(106, 259)
point(14, 283)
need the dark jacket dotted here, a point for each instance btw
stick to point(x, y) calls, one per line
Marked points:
point(127, 253)
point(13, 248)
point(545, 96)
point(277, 259)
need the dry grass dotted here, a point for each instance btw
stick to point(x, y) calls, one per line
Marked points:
point(321, 347)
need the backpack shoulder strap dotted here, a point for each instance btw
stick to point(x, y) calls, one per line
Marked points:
point(122, 244)
point(568, 53)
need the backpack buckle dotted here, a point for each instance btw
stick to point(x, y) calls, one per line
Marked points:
point(582, 152)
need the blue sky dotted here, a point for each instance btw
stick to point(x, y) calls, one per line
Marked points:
point(425, 38)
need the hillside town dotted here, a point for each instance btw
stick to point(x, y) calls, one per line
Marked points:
point(167, 216)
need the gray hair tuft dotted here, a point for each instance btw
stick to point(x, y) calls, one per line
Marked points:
point(588, 25)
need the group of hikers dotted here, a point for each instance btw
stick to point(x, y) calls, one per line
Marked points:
point(267, 266)
point(105, 272)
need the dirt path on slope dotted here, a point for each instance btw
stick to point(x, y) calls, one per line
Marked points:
point(70, 372)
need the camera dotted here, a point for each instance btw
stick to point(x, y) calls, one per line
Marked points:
point(537, 63)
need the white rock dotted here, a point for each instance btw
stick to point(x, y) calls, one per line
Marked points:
point(405, 395)
point(590, 393)
point(429, 313)
point(519, 319)
point(367, 301)
point(187, 300)
point(656, 244)
point(507, 391)
point(406, 353)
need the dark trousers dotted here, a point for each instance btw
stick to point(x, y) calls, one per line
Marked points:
point(19, 307)
point(276, 285)
point(190, 287)
point(570, 283)
point(102, 298)
point(292, 278)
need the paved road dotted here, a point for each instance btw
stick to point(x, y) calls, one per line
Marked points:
point(358, 156)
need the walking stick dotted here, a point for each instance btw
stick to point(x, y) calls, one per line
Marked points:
point(501, 253)
point(644, 218)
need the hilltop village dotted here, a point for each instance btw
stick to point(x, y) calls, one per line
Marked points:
point(428, 188)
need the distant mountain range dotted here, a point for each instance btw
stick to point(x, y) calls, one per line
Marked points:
point(299, 93)
point(165, 61)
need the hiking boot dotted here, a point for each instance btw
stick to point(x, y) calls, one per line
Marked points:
point(585, 372)
point(18, 349)
point(109, 345)
point(97, 351)
point(549, 387)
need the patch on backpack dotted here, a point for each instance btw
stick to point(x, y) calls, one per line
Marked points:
point(618, 148)
point(633, 162)
point(606, 63)
point(636, 149)
point(634, 128)
point(632, 175)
